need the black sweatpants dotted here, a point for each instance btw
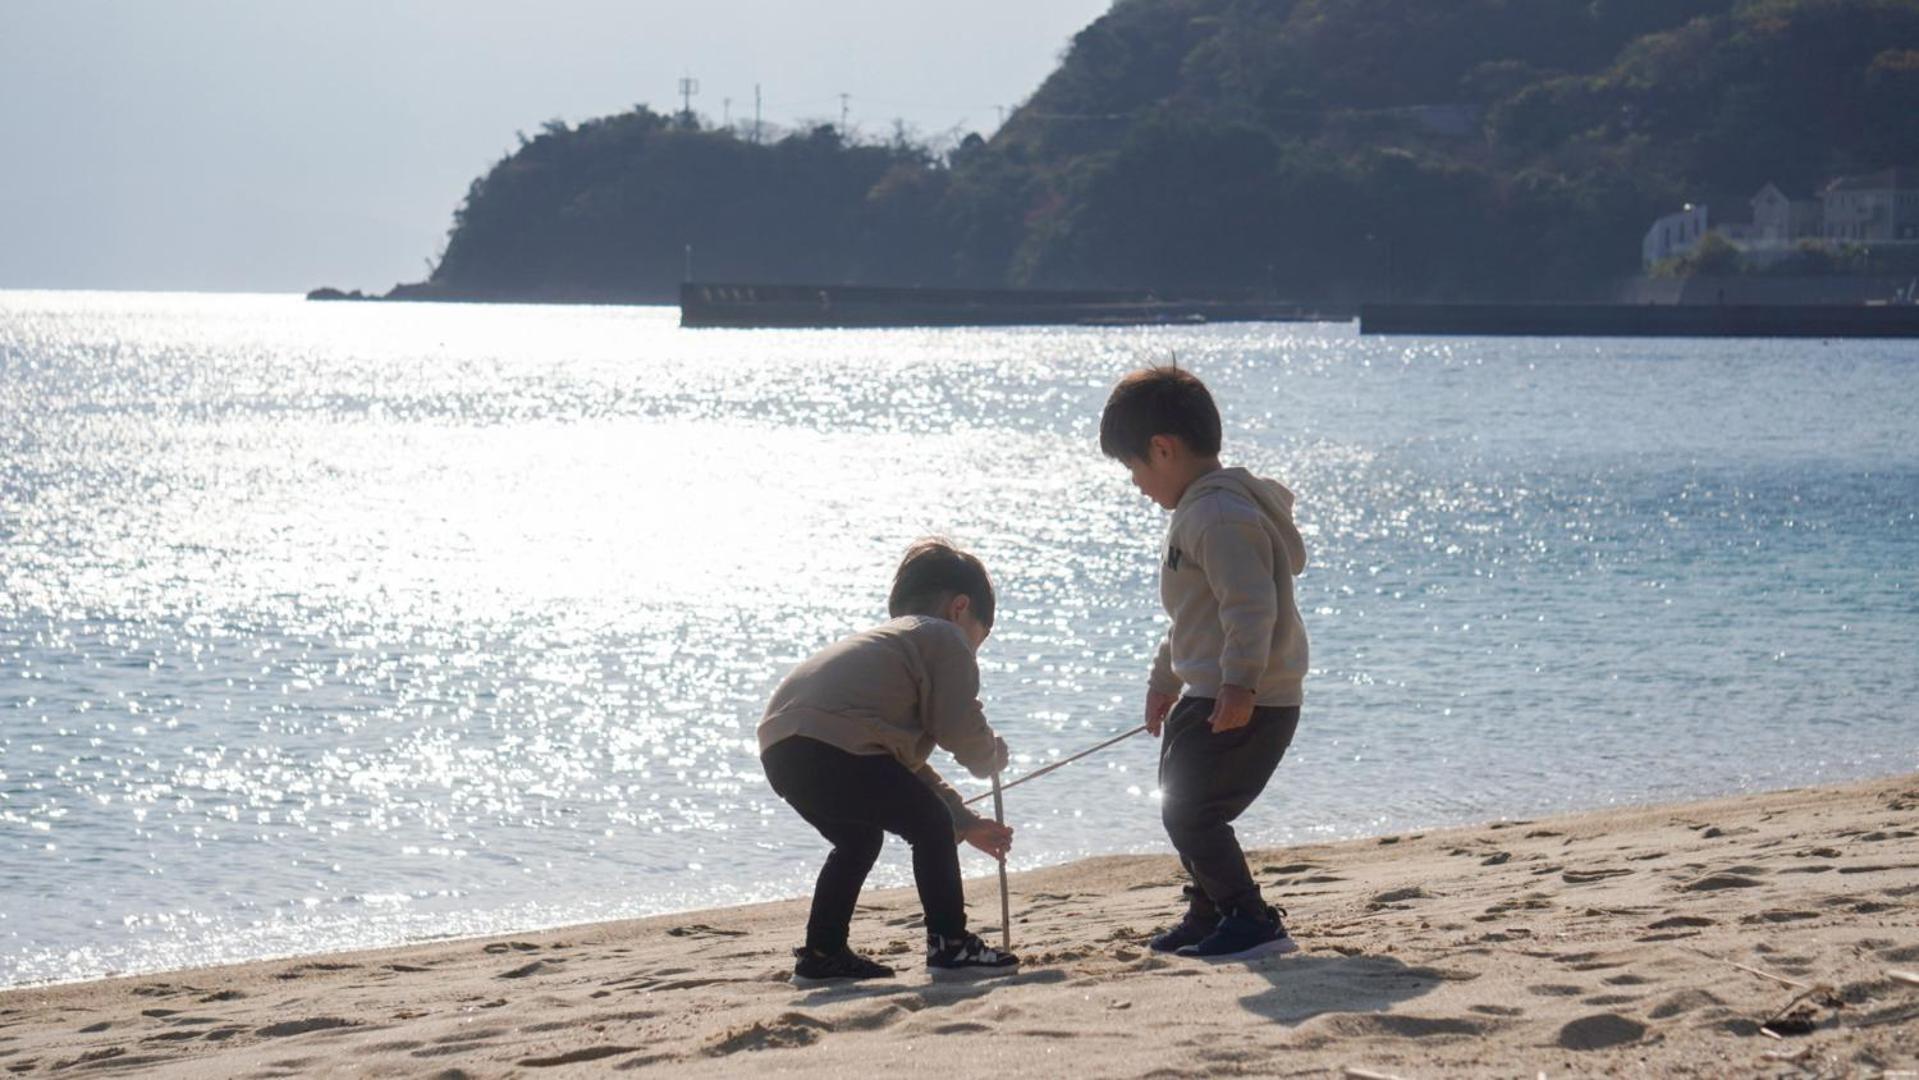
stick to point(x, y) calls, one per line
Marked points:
point(1206, 780)
point(853, 799)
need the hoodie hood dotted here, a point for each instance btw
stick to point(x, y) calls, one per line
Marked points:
point(1270, 496)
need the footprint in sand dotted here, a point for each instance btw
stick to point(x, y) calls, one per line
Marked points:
point(1555, 990)
point(1359, 1026)
point(702, 930)
point(1397, 896)
point(301, 1027)
point(787, 1030)
point(576, 1057)
point(1585, 877)
point(1600, 1032)
point(1777, 915)
point(1720, 881)
point(1610, 999)
point(1682, 920)
point(1682, 1002)
point(533, 968)
point(511, 946)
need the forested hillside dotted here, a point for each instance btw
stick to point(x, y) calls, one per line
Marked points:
point(1333, 149)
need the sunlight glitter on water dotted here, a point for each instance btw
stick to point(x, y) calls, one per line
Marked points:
point(338, 625)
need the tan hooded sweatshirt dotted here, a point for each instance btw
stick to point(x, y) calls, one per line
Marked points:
point(900, 688)
point(1226, 578)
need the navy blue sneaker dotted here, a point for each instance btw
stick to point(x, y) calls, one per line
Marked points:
point(811, 967)
point(1241, 937)
point(1191, 930)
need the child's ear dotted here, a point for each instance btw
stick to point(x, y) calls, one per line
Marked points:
point(1160, 448)
point(959, 605)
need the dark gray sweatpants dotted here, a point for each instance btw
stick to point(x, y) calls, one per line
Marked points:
point(1207, 780)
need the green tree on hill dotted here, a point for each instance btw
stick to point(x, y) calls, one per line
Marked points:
point(1318, 148)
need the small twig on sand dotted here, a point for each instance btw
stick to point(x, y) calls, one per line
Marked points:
point(1354, 1072)
point(1774, 978)
point(1906, 977)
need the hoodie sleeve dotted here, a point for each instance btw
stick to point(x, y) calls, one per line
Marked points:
point(951, 707)
point(1237, 558)
point(955, 805)
point(1162, 680)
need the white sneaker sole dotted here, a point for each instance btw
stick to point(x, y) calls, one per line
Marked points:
point(806, 983)
point(1275, 947)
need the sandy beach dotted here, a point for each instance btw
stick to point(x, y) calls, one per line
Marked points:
point(1641, 941)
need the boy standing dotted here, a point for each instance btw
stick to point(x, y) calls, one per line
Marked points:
point(1236, 646)
point(845, 741)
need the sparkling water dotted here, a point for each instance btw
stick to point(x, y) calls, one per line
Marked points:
point(339, 625)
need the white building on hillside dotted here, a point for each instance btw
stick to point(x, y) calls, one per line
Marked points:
point(1779, 221)
point(1675, 234)
point(1881, 207)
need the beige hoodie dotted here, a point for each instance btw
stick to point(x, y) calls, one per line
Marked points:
point(900, 688)
point(1226, 578)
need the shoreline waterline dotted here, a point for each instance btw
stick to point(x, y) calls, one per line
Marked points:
point(897, 884)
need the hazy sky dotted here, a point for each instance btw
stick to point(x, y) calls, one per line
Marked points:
point(277, 145)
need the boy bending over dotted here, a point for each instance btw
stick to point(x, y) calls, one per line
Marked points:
point(845, 741)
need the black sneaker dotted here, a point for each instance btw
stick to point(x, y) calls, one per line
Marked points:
point(812, 967)
point(966, 957)
point(1242, 937)
point(1192, 929)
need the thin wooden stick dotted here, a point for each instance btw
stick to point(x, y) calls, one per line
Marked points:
point(1005, 900)
point(1770, 975)
point(1037, 773)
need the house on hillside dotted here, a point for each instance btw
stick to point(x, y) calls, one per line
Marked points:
point(1881, 207)
point(1780, 221)
point(1675, 234)
point(1877, 208)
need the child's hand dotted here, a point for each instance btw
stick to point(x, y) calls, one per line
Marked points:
point(1157, 706)
point(989, 836)
point(1233, 709)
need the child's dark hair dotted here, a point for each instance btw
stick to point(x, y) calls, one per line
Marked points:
point(1158, 401)
point(932, 570)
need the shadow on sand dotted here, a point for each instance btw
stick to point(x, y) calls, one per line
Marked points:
point(931, 994)
point(1305, 986)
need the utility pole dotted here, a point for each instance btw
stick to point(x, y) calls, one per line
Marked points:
point(1001, 109)
point(688, 87)
point(756, 114)
point(844, 98)
point(726, 112)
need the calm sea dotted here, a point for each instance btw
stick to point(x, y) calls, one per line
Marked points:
point(339, 625)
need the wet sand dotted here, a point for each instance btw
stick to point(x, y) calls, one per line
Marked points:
point(1772, 935)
